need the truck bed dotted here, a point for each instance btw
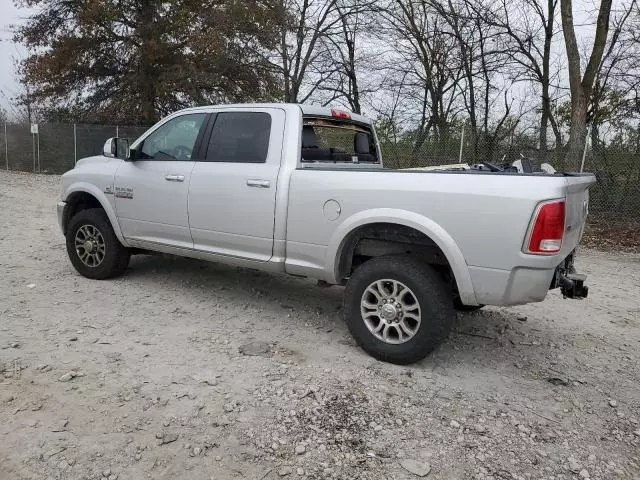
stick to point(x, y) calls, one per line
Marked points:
point(484, 216)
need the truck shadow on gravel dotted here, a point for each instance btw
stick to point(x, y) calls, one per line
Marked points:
point(487, 338)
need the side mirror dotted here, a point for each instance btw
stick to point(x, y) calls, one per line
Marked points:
point(132, 155)
point(116, 148)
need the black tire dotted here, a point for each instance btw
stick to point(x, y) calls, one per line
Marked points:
point(116, 257)
point(459, 306)
point(430, 292)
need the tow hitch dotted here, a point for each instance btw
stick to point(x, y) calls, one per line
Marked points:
point(571, 283)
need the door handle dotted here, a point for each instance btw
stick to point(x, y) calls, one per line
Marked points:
point(174, 178)
point(259, 183)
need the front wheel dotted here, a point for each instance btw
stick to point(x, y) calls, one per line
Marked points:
point(398, 309)
point(92, 245)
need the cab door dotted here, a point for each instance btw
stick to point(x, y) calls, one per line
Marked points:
point(151, 190)
point(232, 196)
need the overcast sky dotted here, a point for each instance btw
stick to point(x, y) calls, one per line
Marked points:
point(9, 15)
point(10, 52)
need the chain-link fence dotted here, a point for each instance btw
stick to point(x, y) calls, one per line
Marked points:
point(58, 146)
point(616, 194)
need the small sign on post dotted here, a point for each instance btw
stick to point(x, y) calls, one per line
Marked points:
point(36, 157)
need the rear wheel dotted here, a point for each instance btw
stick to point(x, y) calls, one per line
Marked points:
point(92, 245)
point(397, 309)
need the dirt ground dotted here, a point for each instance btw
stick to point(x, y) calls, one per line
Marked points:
point(611, 234)
point(188, 370)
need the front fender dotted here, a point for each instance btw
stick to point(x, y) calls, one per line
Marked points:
point(409, 219)
point(104, 202)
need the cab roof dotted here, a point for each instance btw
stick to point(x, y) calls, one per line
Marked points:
point(307, 110)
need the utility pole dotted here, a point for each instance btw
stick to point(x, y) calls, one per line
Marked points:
point(461, 143)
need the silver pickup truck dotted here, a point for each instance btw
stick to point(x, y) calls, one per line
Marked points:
point(302, 190)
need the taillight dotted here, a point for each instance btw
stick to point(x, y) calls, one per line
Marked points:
point(335, 113)
point(548, 228)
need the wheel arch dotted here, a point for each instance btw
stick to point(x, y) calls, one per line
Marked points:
point(80, 196)
point(347, 235)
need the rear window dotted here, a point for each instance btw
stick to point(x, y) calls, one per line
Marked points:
point(325, 140)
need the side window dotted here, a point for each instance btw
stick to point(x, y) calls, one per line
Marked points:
point(240, 137)
point(174, 140)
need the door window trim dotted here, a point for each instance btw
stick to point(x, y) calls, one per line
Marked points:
point(204, 146)
point(211, 125)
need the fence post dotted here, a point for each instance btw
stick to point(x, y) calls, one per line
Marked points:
point(38, 140)
point(584, 152)
point(117, 131)
point(461, 144)
point(75, 146)
point(6, 146)
point(33, 150)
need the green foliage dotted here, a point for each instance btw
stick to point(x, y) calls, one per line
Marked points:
point(612, 105)
point(387, 130)
point(608, 106)
point(133, 61)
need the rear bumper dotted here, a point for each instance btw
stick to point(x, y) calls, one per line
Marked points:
point(60, 208)
point(525, 284)
point(510, 287)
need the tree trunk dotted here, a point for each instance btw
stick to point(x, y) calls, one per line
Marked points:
point(423, 129)
point(544, 121)
point(354, 90)
point(147, 76)
point(577, 131)
point(473, 119)
point(285, 67)
point(356, 97)
point(582, 85)
point(546, 100)
point(556, 132)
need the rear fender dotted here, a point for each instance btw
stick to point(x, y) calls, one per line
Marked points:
point(409, 219)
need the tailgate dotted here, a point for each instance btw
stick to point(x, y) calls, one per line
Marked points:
point(577, 207)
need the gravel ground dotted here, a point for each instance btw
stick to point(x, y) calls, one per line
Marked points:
point(183, 369)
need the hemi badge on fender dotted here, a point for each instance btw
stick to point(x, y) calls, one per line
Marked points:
point(123, 192)
point(108, 190)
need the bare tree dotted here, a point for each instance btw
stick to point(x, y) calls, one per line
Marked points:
point(301, 50)
point(388, 111)
point(618, 75)
point(428, 65)
point(487, 101)
point(24, 108)
point(581, 84)
point(529, 29)
point(348, 59)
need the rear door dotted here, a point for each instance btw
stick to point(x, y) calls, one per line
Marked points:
point(232, 195)
point(151, 191)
